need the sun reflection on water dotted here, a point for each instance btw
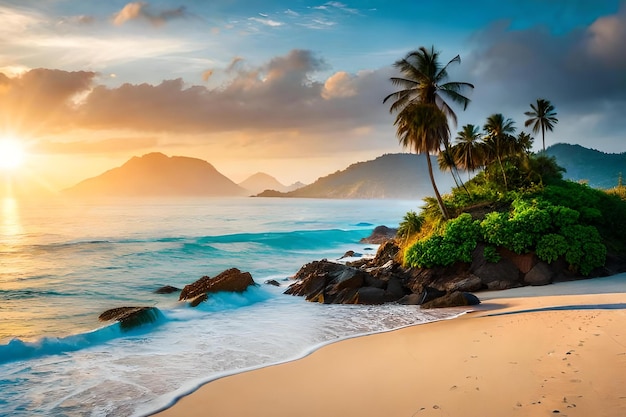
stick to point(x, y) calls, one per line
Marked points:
point(10, 226)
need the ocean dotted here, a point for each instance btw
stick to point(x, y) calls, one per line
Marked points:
point(63, 263)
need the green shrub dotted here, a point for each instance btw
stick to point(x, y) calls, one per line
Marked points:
point(585, 248)
point(491, 254)
point(550, 247)
point(411, 224)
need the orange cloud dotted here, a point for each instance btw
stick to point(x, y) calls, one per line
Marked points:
point(140, 10)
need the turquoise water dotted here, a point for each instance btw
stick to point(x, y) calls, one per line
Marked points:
point(63, 264)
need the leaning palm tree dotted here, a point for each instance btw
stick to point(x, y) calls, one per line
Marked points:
point(499, 134)
point(424, 81)
point(467, 150)
point(542, 117)
point(422, 127)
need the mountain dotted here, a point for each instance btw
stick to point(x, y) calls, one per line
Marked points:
point(261, 181)
point(155, 174)
point(599, 169)
point(400, 176)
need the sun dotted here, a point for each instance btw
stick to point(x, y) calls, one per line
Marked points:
point(11, 154)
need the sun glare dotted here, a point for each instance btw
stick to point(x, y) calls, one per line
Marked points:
point(11, 154)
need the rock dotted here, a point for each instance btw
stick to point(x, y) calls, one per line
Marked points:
point(467, 283)
point(505, 272)
point(429, 294)
point(395, 290)
point(230, 280)
point(540, 274)
point(272, 282)
point(167, 289)
point(454, 299)
point(131, 317)
point(524, 262)
point(351, 254)
point(387, 251)
point(410, 299)
point(370, 295)
point(380, 235)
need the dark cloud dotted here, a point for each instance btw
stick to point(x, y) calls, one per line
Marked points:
point(583, 73)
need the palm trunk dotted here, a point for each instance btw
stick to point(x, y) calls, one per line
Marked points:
point(442, 207)
point(543, 137)
point(506, 186)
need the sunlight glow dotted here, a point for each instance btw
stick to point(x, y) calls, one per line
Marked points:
point(11, 154)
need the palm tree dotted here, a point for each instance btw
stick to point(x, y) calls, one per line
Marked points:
point(542, 117)
point(499, 134)
point(467, 150)
point(525, 142)
point(423, 127)
point(424, 82)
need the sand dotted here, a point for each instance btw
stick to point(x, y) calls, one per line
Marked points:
point(499, 360)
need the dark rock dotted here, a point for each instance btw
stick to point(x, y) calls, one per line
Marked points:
point(380, 235)
point(370, 295)
point(371, 281)
point(454, 299)
point(471, 299)
point(466, 283)
point(395, 290)
point(429, 294)
point(505, 272)
point(131, 317)
point(272, 282)
point(410, 299)
point(167, 289)
point(524, 262)
point(351, 254)
point(540, 274)
point(232, 280)
point(500, 285)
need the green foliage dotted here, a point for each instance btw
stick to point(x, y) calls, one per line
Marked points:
point(456, 243)
point(411, 224)
point(585, 250)
point(551, 246)
point(491, 254)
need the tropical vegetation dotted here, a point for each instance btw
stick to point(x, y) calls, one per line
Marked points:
point(516, 200)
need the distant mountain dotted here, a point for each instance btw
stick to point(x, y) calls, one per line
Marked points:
point(600, 169)
point(399, 176)
point(261, 181)
point(156, 174)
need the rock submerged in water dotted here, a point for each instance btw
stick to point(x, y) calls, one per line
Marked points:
point(380, 235)
point(131, 317)
point(167, 289)
point(231, 280)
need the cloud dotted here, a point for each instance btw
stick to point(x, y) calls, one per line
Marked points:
point(206, 75)
point(111, 145)
point(582, 73)
point(140, 10)
point(340, 84)
point(266, 22)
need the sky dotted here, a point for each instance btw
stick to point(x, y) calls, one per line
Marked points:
point(291, 88)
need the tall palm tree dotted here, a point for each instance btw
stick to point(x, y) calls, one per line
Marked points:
point(422, 127)
point(424, 81)
point(499, 134)
point(524, 142)
point(467, 150)
point(542, 117)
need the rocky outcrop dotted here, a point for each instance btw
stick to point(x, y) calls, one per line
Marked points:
point(540, 274)
point(380, 235)
point(167, 289)
point(232, 280)
point(131, 317)
point(454, 299)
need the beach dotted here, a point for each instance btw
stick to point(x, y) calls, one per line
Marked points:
point(533, 351)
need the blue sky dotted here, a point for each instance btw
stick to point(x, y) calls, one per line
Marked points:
point(292, 88)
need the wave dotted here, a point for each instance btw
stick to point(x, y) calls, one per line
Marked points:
point(17, 349)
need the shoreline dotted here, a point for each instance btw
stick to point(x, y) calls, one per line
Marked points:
point(276, 390)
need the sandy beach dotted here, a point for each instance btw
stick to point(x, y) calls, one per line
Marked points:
point(556, 350)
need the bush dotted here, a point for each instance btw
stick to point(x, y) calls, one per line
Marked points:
point(550, 247)
point(491, 254)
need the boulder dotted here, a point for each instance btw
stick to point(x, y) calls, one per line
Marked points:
point(272, 282)
point(540, 274)
point(504, 272)
point(351, 254)
point(380, 235)
point(429, 294)
point(454, 299)
point(410, 299)
point(370, 295)
point(467, 283)
point(131, 317)
point(232, 280)
point(387, 251)
point(524, 262)
point(167, 289)
point(395, 290)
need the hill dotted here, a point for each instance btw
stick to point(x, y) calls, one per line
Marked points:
point(156, 174)
point(261, 181)
point(600, 169)
point(400, 176)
